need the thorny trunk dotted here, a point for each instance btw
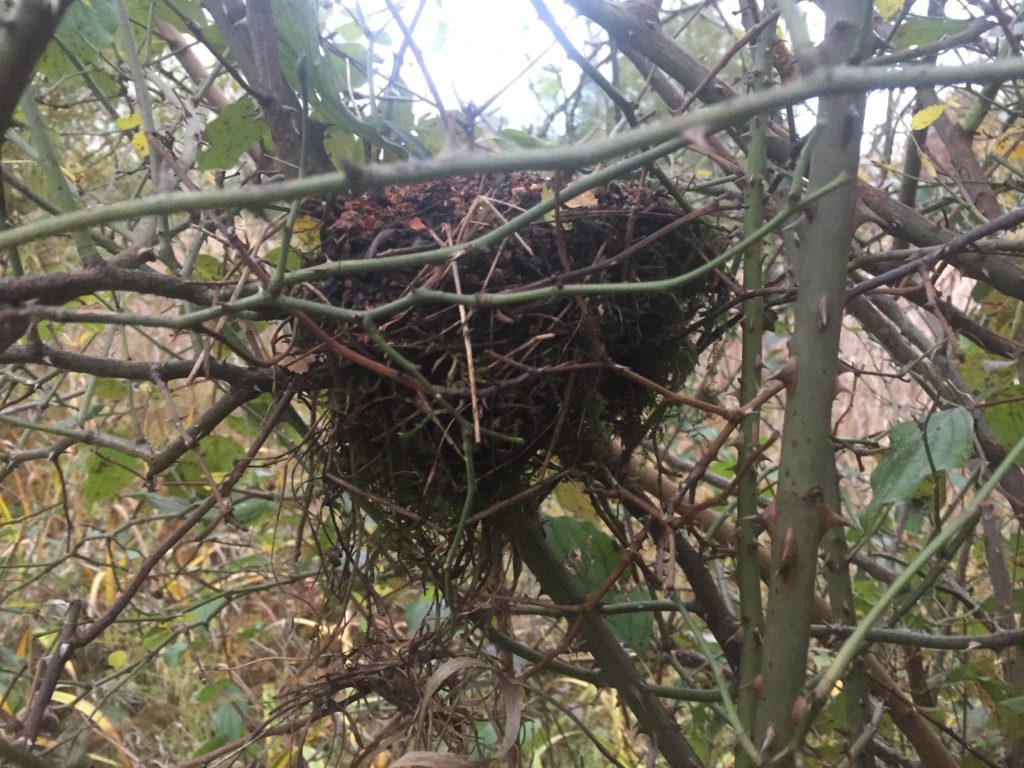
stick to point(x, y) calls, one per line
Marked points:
point(818, 253)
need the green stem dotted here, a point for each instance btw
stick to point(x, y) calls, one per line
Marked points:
point(837, 80)
point(728, 706)
point(748, 573)
point(855, 642)
point(616, 666)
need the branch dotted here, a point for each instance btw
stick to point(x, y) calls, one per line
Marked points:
point(634, 33)
point(822, 82)
point(202, 427)
point(94, 630)
point(111, 368)
point(907, 718)
point(25, 31)
point(63, 287)
point(616, 666)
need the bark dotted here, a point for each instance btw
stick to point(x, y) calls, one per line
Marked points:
point(26, 27)
point(807, 473)
point(252, 35)
point(632, 30)
point(911, 723)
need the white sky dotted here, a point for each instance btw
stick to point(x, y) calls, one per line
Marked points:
point(473, 48)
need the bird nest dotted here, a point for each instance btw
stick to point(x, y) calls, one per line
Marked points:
point(448, 395)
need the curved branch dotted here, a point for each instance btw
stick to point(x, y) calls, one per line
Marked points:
point(62, 287)
point(169, 370)
point(822, 82)
point(202, 427)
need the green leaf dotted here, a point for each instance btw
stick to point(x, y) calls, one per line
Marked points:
point(108, 473)
point(169, 505)
point(206, 611)
point(343, 147)
point(250, 511)
point(994, 380)
point(350, 60)
point(1010, 716)
point(949, 437)
point(85, 30)
point(141, 10)
point(512, 139)
point(227, 723)
point(292, 262)
point(154, 638)
point(1006, 419)
point(110, 389)
point(207, 267)
point(222, 690)
point(212, 743)
point(632, 629)
point(172, 656)
point(230, 133)
point(924, 30)
point(589, 553)
point(219, 454)
point(299, 30)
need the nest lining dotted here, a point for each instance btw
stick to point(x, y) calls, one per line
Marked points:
point(541, 372)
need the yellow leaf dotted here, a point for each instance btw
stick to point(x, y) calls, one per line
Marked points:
point(1011, 144)
point(141, 144)
point(93, 600)
point(175, 591)
point(574, 501)
point(128, 122)
point(117, 659)
point(888, 8)
point(24, 644)
point(90, 710)
point(307, 230)
point(925, 117)
point(586, 200)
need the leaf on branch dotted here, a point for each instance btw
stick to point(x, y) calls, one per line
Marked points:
point(587, 551)
point(109, 472)
point(141, 144)
point(230, 133)
point(307, 231)
point(84, 31)
point(925, 117)
point(1010, 144)
point(923, 30)
point(128, 122)
point(888, 8)
point(915, 452)
point(631, 629)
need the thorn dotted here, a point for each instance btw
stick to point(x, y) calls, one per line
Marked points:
point(788, 556)
point(756, 686)
point(799, 707)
